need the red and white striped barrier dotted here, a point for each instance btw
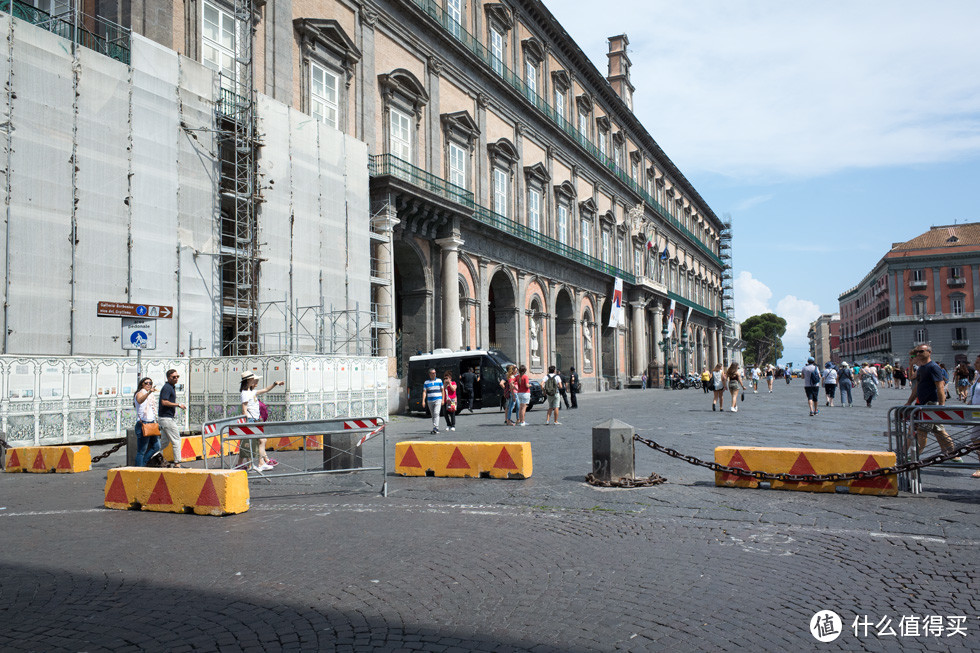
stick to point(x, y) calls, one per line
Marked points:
point(934, 415)
point(251, 429)
point(368, 436)
point(360, 423)
point(213, 426)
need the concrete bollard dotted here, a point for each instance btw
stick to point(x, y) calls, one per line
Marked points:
point(613, 454)
point(340, 451)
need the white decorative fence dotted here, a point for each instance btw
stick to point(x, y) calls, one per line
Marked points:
point(63, 400)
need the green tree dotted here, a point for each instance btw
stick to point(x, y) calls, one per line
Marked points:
point(762, 335)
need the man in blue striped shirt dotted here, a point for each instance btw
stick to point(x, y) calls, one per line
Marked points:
point(434, 393)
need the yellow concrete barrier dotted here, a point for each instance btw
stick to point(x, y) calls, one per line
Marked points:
point(45, 460)
point(464, 459)
point(776, 460)
point(190, 448)
point(197, 491)
point(295, 443)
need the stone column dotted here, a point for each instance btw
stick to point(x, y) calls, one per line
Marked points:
point(658, 336)
point(385, 224)
point(452, 337)
point(639, 333)
point(483, 313)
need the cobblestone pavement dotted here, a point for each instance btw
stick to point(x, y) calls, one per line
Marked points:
point(546, 564)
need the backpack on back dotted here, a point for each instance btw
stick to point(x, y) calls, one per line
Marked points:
point(814, 376)
point(551, 386)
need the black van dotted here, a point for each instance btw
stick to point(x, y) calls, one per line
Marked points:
point(489, 364)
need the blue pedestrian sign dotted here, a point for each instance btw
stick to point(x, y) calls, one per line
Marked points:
point(139, 333)
point(141, 310)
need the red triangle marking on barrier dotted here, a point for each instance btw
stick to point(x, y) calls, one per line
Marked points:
point(311, 441)
point(14, 458)
point(738, 462)
point(186, 450)
point(802, 466)
point(213, 449)
point(284, 442)
point(117, 491)
point(457, 461)
point(410, 459)
point(504, 461)
point(38, 461)
point(882, 482)
point(64, 463)
point(160, 494)
point(209, 496)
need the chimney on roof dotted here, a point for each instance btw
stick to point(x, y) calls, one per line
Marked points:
point(619, 69)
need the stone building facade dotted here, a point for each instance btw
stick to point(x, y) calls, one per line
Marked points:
point(824, 337)
point(925, 290)
point(510, 182)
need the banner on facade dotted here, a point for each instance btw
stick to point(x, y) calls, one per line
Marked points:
point(616, 317)
point(670, 318)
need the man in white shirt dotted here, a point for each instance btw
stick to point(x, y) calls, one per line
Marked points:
point(551, 384)
point(756, 375)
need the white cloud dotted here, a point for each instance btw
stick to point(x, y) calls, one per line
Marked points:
point(751, 296)
point(798, 313)
point(768, 89)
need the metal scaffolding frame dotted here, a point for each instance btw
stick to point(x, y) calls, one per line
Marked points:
point(239, 195)
point(731, 342)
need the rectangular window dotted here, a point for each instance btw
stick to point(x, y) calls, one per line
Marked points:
point(497, 51)
point(534, 210)
point(660, 195)
point(454, 9)
point(457, 165)
point(955, 272)
point(959, 333)
point(918, 307)
point(921, 335)
point(605, 246)
point(586, 238)
point(956, 306)
point(563, 224)
point(500, 192)
point(323, 95)
point(619, 253)
point(602, 143)
point(672, 279)
point(637, 263)
point(635, 171)
point(401, 135)
point(218, 39)
point(583, 125)
point(560, 104)
point(918, 275)
point(531, 77)
point(52, 7)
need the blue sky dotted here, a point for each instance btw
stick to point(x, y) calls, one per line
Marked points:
point(826, 130)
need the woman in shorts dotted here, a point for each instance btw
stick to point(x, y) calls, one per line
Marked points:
point(734, 383)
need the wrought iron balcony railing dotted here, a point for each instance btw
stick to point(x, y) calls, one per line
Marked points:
point(90, 32)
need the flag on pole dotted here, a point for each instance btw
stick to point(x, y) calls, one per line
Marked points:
point(616, 310)
point(650, 243)
point(670, 317)
point(664, 255)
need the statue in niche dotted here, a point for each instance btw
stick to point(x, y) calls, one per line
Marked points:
point(535, 355)
point(587, 349)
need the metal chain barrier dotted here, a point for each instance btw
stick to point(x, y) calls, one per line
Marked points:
point(626, 481)
point(813, 478)
point(108, 453)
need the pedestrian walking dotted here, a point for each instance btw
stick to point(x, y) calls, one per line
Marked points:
point(889, 375)
point(973, 398)
point(962, 376)
point(449, 400)
point(901, 375)
point(845, 379)
point(469, 379)
point(756, 375)
point(718, 386)
point(705, 380)
point(929, 389)
point(788, 375)
point(166, 415)
point(643, 381)
point(147, 428)
point(509, 386)
point(869, 383)
point(811, 384)
point(829, 380)
point(563, 391)
point(734, 383)
point(253, 413)
point(945, 373)
point(433, 391)
point(574, 386)
point(770, 376)
point(551, 384)
point(523, 394)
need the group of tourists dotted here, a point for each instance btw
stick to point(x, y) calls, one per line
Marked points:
point(843, 377)
point(442, 400)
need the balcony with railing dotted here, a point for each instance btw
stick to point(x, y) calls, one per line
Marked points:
point(90, 32)
point(961, 343)
point(389, 165)
point(514, 80)
point(956, 282)
point(917, 284)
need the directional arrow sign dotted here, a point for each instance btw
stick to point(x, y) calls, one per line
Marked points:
point(145, 311)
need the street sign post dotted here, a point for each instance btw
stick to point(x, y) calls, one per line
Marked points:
point(138, 333)
point(124, 309)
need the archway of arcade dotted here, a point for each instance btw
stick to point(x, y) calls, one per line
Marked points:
point(502, 314)
point(413, 300)
point(564, 331)
point(607, 343)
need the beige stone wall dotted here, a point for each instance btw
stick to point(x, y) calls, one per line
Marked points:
point(389, 56)
point(498, 128)
point(560, 172)
point(533, 153)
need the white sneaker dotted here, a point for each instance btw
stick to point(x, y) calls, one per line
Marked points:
point(733, 409)
point(265, 468)
point(452, 428)
point(557, 423)
point(522, 423)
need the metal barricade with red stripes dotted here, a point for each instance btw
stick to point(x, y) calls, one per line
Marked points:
point(232, 429)
point(915, 432)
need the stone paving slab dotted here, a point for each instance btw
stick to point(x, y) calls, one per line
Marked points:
point(545, 564)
